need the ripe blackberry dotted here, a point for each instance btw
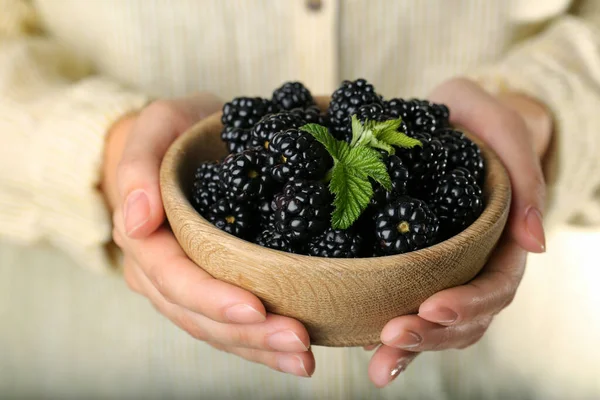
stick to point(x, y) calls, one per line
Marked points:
point(269, 237)
point(237, 139)
point(463, 172)
point(244, 176)
point(336, 243)
point(231, 216)
point(419, 115)
point(426, 163)
point(298, 155)
point(346, 101)
point(462, 152)
point(399, 176)
point(403, 226)
point(245, 112)
point(292, 95)
point(264, 212)
point(270, 125)
point(302, 210)
point(206, 189)
point(311, 115)
point(457, 202)
point(372, 112)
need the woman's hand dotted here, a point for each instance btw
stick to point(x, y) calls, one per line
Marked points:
point(518, 129)
point(225, 316)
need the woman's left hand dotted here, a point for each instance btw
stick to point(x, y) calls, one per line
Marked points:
point(518, 129)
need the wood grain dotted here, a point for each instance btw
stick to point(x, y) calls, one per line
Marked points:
point(342, 302)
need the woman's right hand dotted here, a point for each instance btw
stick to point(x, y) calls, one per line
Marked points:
point(223, 315)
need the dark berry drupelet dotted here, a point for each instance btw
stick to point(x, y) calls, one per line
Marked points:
point(418, 115)
point(372, 112)
point(232, 217)
point(298, 155)
point(244, 176)
point(206, 189)
point(336, 243)
point(462, 152)
point(271, 238)
point(245, 112)
point(302, 209)
point(426, 163)
point(346, 101)
point(270, 125)
point(457, 202)
point(312, 115)
point(237, 139)
point(292, 95)
point(405, 225)
point(399, 176)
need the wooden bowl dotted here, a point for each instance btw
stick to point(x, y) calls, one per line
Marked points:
point(342, 302)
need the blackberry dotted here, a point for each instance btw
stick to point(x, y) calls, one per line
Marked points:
point(270, 125)
point(457, 201)
point(418, 115)
point(298, 155)
point(346, 101)
point(311, 115)
point(269, 237)
point(399, 176)
point(462, 152)
point(206, 189)
point(426, 163)
point(302, 210)
point(292, 95)
point(336, 243)
point(405, 225)
point(237, 139)
point(244, 176)
point(264, 212)
point(231, 216)
point(245, 112)
point(463, 172)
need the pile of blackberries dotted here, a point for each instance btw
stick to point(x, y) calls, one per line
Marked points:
point(272, 188)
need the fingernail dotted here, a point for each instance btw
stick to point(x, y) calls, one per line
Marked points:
point(401, 365)
point(407, 340)
point(535, 227)
point(291, 364)
point(440, 315)
point(286, 341)
point(244, 314)
point(137, 210)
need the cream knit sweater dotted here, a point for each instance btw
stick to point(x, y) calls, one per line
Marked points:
point(70, 68)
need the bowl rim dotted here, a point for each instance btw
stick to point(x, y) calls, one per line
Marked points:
point(498, 203)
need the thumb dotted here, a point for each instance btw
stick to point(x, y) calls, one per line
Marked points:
point(503, 130)
point(157, 126)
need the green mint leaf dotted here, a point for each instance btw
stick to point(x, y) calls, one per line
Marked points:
point(382, 145)
point(366, 163)
point(357, 130)
point(331, 144)
point(352, 195)
point(399, 139)
point(384, 127)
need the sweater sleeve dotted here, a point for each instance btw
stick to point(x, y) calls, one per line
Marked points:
point(561, 67)
point(54, 114)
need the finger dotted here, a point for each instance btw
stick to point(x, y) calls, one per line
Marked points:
point(130, 277)
point(302, 364)
point(413, 333)
point(387, 363)
point(138, 172)
point(505, 132)
point(370, 347)
point(277, 333)
point(491, 291)
point(182, 282)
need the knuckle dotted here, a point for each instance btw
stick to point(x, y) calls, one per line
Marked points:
point(166, 110)
point(129, 277)
point(241, 336)
point(160, 280)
